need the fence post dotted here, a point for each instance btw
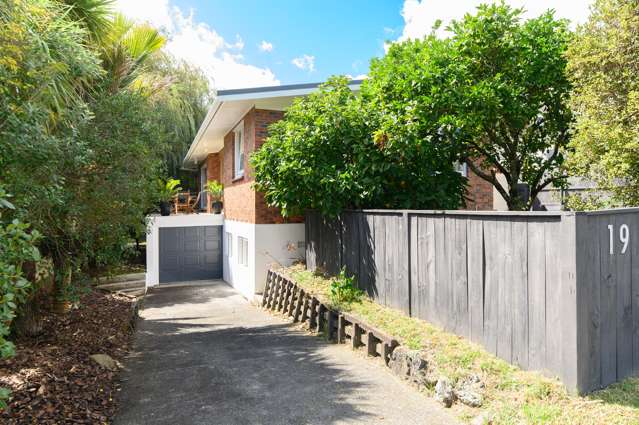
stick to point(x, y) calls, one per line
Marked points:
point(408, 263)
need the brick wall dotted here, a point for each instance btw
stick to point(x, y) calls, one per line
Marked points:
point(241, 201)
point(263, 118)
point(213, 166)
point(480, 193)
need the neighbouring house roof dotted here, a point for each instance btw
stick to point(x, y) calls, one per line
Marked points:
point(230, 106)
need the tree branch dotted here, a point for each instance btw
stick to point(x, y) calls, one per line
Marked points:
point(491, 178)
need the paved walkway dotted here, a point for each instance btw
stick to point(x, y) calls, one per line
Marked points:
point(204, 355)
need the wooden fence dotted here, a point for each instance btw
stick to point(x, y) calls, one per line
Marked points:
point(548, 291)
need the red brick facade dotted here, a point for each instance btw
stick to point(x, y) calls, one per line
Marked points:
point(243, 203)
point(214, 166)
point(480, 193)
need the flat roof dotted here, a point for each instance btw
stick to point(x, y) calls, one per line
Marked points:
point(266, 89)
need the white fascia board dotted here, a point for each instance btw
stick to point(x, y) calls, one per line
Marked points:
point(279, 93)
point(217, 103)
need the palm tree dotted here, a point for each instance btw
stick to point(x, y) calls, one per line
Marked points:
point(124, 51)
point(94, 15)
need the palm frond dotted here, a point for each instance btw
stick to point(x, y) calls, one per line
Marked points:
point(95, 15)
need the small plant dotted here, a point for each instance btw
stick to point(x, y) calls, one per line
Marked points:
point(343, 289)
point(215, 189)
point(167, 189)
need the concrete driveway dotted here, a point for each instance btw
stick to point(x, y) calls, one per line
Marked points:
point(204, 355)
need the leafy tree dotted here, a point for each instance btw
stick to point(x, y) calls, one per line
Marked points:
point(514, 115)
point(180, 94)
point(496, 91)
point(84, 129)
point(605, 73)
point(324, 155)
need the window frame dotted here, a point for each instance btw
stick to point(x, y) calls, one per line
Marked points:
point(242, 251)
point(238, 151)
point(229, 244)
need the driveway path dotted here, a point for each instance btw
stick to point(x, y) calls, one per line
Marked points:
point(204, 355)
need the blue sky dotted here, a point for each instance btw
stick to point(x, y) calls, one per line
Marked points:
point(341, 35)
point(250, 43)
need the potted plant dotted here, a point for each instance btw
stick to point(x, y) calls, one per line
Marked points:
point(167, 191)
point(215, 189)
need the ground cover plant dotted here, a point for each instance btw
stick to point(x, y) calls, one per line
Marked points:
point(512, 396)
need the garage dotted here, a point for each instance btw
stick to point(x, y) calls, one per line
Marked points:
point(190, 253)
point(184, 248)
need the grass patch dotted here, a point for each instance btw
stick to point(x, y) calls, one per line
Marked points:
point(513, 396)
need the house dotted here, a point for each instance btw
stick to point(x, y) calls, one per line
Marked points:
point(253, 235)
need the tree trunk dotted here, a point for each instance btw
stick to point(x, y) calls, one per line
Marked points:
point(29, 319)
point(63, 271)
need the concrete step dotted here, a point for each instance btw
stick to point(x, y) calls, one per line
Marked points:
point(120, 286)
point(123, 278)
point(133, 292)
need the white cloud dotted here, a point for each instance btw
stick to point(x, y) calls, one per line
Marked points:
point(265, 46)
point(357, 77)
point(306, 62)
point(420, 15)
point(199, 44)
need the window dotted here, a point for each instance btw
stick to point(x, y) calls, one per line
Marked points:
point(203, 179)
point(461, 168)
point(229, 244)
point(239, 151)
point(242, 251)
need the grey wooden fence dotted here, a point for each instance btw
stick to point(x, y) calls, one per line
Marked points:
point(544, 290)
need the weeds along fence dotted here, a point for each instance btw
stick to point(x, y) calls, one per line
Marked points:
point(556, 292)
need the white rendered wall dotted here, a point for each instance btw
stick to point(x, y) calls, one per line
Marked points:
point(239, 276)
point(155, 222)
point(267, 244)
point(276, 244)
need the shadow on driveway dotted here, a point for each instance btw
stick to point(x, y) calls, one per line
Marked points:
point(223, 361)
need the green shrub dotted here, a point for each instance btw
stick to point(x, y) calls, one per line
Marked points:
point(17, 246)
point(343, 289)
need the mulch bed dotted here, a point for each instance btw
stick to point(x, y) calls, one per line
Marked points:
point(52, 378)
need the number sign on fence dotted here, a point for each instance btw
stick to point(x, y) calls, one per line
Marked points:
point(544, 291)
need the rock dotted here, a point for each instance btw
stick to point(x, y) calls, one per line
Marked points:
point(105, 360)
point(484, 418)
point(469, 391)
point(400, 362)
point(469, 398)
point(444, 392)
point(411, 366)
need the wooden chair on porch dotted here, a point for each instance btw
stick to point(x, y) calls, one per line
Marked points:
point(186, 202)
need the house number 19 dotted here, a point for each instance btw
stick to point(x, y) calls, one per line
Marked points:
point(624, 237)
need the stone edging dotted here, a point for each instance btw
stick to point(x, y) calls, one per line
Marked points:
point(285, 296)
